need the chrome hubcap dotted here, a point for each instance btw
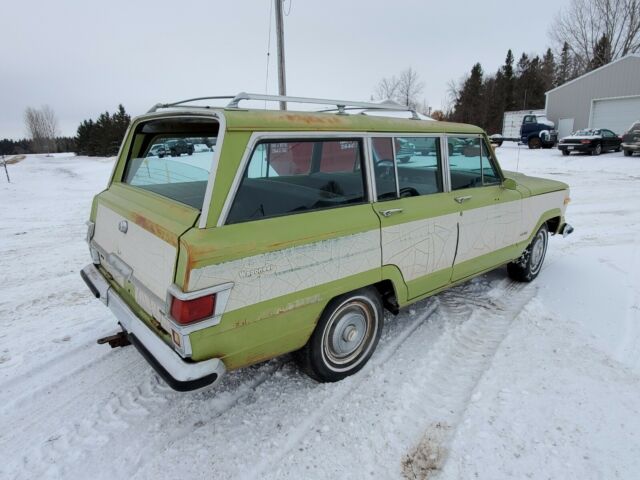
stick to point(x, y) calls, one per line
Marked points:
point(537, 251)
point(349, 333)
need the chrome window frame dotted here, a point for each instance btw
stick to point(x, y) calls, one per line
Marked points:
point(490, 156)
point(258, 137)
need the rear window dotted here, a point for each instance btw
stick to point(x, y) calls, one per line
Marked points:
point(173, 158)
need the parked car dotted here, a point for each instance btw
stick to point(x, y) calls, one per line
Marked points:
point(631, 140)
point(158, 150)
point(298, 234)
point(179, 147)
point(591, 140)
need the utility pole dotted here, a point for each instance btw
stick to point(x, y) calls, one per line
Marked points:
point(4, 162)
point(282, 81)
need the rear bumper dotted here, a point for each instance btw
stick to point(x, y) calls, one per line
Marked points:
point(577, 147)
point(179, 374)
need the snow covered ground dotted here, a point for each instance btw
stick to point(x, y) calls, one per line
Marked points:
point(490, 380)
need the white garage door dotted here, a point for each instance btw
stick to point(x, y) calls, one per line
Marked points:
point(616, 114)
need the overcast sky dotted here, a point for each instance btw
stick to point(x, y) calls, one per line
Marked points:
point(83, 57)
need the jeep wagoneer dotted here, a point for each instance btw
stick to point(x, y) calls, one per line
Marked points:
point(297, 230)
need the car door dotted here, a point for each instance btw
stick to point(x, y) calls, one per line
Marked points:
point(610, 140)
point(418, 223)
point(489, 215)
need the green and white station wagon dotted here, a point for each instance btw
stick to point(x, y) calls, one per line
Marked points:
point(293, 231)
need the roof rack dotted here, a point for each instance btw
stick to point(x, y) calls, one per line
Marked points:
point(341, 105)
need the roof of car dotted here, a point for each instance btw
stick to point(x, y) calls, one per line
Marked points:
point(273, 120)
point(289, 120)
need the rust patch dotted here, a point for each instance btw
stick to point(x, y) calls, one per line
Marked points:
point(313, 120)
point(156, 229)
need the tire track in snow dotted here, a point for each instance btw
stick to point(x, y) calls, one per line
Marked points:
point(459, 365)
point(344, 388)
point(106, 416)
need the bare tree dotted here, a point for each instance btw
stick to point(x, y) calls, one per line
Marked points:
point(404, 90)
point(585, 22)
point(42, 128)
point(409, 88)
point(387, 89)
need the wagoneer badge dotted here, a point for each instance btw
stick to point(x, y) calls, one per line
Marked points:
point(123, 226)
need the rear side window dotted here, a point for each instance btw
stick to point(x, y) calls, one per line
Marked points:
point(296, 176)
point(173, 158)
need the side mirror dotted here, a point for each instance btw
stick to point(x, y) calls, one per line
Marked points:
point(510, 184)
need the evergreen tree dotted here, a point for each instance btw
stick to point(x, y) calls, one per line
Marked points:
point(564, 68)
point(548, 72)
point(602, 53)
point(104, 136)
point(508, 83)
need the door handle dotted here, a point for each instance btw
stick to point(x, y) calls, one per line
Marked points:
point(388, 213)
point(462, 199)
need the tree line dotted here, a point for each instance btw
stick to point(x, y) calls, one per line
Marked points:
point(100, 137)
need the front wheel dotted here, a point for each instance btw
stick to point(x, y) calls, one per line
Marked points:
point(345, 337)
point(628, 153)
point(528, 266)
point(535, 143)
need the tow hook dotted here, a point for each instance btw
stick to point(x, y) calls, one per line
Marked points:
point(119, 339)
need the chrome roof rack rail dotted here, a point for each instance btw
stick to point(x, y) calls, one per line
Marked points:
point(175, 104)
point(341, 105)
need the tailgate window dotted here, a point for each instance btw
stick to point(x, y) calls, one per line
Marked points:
point(173, 158)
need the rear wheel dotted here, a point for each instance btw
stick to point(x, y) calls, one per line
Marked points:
point(345, 337)
point(528, 266)
point(597, 150)
point(565, 152)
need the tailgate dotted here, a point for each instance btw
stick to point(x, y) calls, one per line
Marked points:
point(136, 234)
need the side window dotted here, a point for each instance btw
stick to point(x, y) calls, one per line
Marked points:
point(470, 163)
point(419, 165)
point(529, 119)
point(608, 134)
point(296, 176)
point(383, 168)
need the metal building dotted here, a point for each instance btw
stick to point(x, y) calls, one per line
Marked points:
point(608, 97)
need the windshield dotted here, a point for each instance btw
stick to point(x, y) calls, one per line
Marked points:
point(173, 158)
point(587, 132)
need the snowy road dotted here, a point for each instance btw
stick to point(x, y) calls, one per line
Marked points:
point(492, 379)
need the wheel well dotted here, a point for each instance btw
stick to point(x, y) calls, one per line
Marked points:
point(388, 295)
point(553, 224)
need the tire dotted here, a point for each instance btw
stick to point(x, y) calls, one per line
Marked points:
point(618, 148)
point(534, 143)
point(566, 153)
point(628, 153)
point(597, 150)
point(345, 337)
point(528, 266)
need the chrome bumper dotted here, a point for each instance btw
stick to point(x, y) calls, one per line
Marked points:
point(179, 374)
point(566, 230)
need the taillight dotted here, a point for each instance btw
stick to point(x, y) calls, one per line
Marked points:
point(189, 311)
point(585, 141)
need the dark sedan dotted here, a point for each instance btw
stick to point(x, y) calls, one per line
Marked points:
point(591, 140)
point(631, 140)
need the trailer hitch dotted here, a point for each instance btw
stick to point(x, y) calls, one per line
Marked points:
point(119, 339)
